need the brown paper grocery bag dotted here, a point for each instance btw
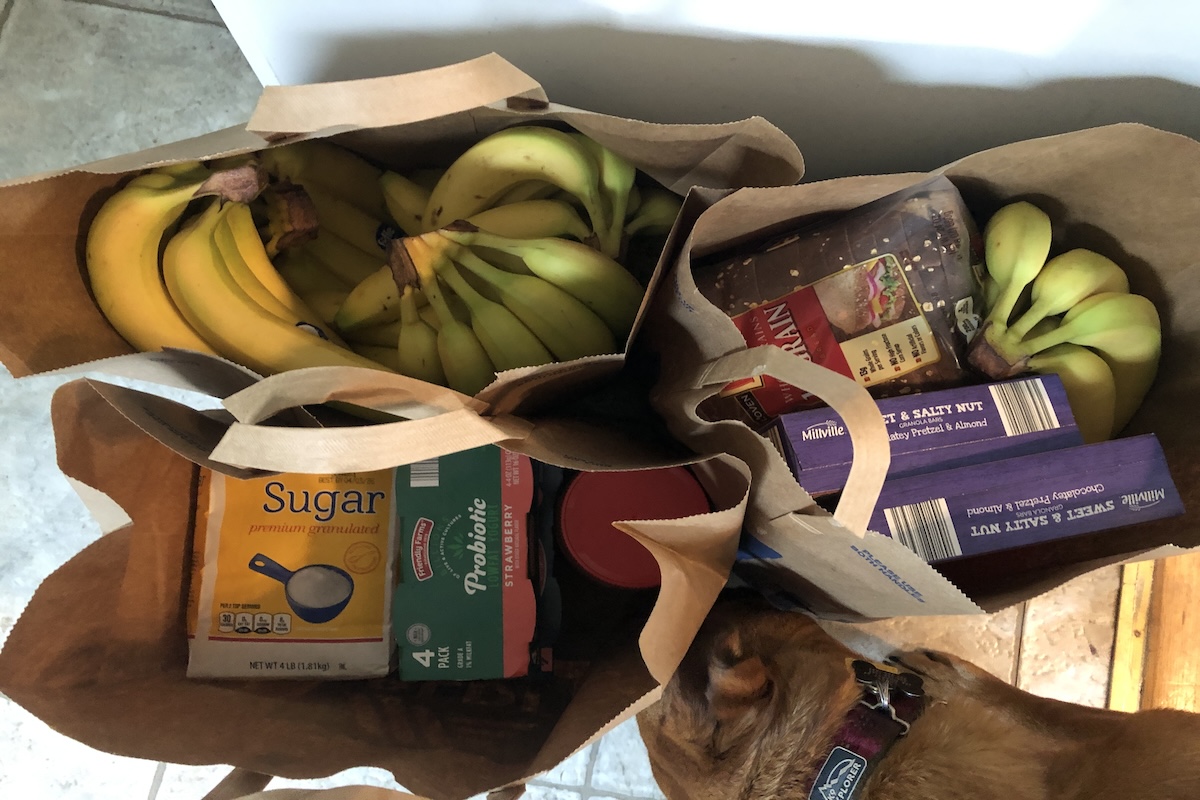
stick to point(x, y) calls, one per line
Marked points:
point(99, 654)
point(405, 121)
point(128, 651)
point(112, 675)
point(1126, 191)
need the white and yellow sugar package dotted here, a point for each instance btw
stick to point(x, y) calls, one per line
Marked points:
point(292, 577)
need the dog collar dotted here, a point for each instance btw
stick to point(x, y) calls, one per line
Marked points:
point(891, 701)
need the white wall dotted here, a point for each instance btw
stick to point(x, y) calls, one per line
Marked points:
point(866, 86)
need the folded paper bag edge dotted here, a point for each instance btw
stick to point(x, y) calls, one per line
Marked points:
point(391, 100)
point(313, 385)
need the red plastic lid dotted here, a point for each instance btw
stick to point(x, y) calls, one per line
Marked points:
point(594, 500)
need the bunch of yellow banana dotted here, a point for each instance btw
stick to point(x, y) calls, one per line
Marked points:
point(533, 181)
point(528, 219)
point(514, 246)
point(121, 254)
point(215, 290)
point(1072, 315)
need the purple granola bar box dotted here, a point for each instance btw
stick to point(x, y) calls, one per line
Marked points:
point(934, 430)
point(1028, 500)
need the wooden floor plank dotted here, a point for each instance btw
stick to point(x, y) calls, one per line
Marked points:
point(1172, 669)
point(1130, 642)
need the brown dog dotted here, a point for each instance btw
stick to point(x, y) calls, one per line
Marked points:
point(767, 705)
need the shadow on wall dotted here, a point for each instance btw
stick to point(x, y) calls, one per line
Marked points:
point(843, 109)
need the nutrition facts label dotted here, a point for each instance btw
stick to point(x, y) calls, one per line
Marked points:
point(262, 624)
point(891, 352)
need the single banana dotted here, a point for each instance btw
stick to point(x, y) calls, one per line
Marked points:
point(567, 327)
point(375, 300)
point(991, 291)
point(235, 326)
point(602, 284)
point(1017, 241)
point(526, 190)
point(1133, 379)
point(1089, 383)
point(335, 169)
point(366, 232)
point(387, 356)
point(417, 345)
point(508, 342)
point(1117, 324)
point(246, 259)
point(511, 156)
point(532, 219)
point(121, 255)
point(656, 212)
point(464, 360)
point(616, 181)
point(341, 258)
point(1064, 281)
point(405, 200)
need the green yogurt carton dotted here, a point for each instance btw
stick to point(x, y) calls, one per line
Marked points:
point(465, 606)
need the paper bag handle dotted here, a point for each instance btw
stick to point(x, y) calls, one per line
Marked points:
point(439, 422)
point(392, 100)
point(868, 432)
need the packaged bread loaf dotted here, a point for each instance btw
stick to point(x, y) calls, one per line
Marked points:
point(889, 293)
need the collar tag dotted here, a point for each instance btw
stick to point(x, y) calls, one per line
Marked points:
point(840, 776)
point(882, 684)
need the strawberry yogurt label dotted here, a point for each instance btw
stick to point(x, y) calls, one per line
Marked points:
point(464, 608)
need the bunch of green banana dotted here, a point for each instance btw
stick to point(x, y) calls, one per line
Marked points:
point(1072, 315)
point(481, 319)
point(528, 182)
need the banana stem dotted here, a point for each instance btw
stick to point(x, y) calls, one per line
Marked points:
point(493, 276)
point(1026, 322)
point(1005, 303)
point(1039, 343)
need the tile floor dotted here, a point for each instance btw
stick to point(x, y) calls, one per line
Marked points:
point(86, 79)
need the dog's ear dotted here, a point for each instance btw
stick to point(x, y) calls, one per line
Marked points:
point(739, 691)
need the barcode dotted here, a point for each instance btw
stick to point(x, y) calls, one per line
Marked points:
point(423, 474)
point(925, 528)
point(1024, 407)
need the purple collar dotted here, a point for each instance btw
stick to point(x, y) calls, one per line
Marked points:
point(891, 702)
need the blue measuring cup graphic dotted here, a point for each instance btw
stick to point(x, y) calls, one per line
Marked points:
point(316, 593)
